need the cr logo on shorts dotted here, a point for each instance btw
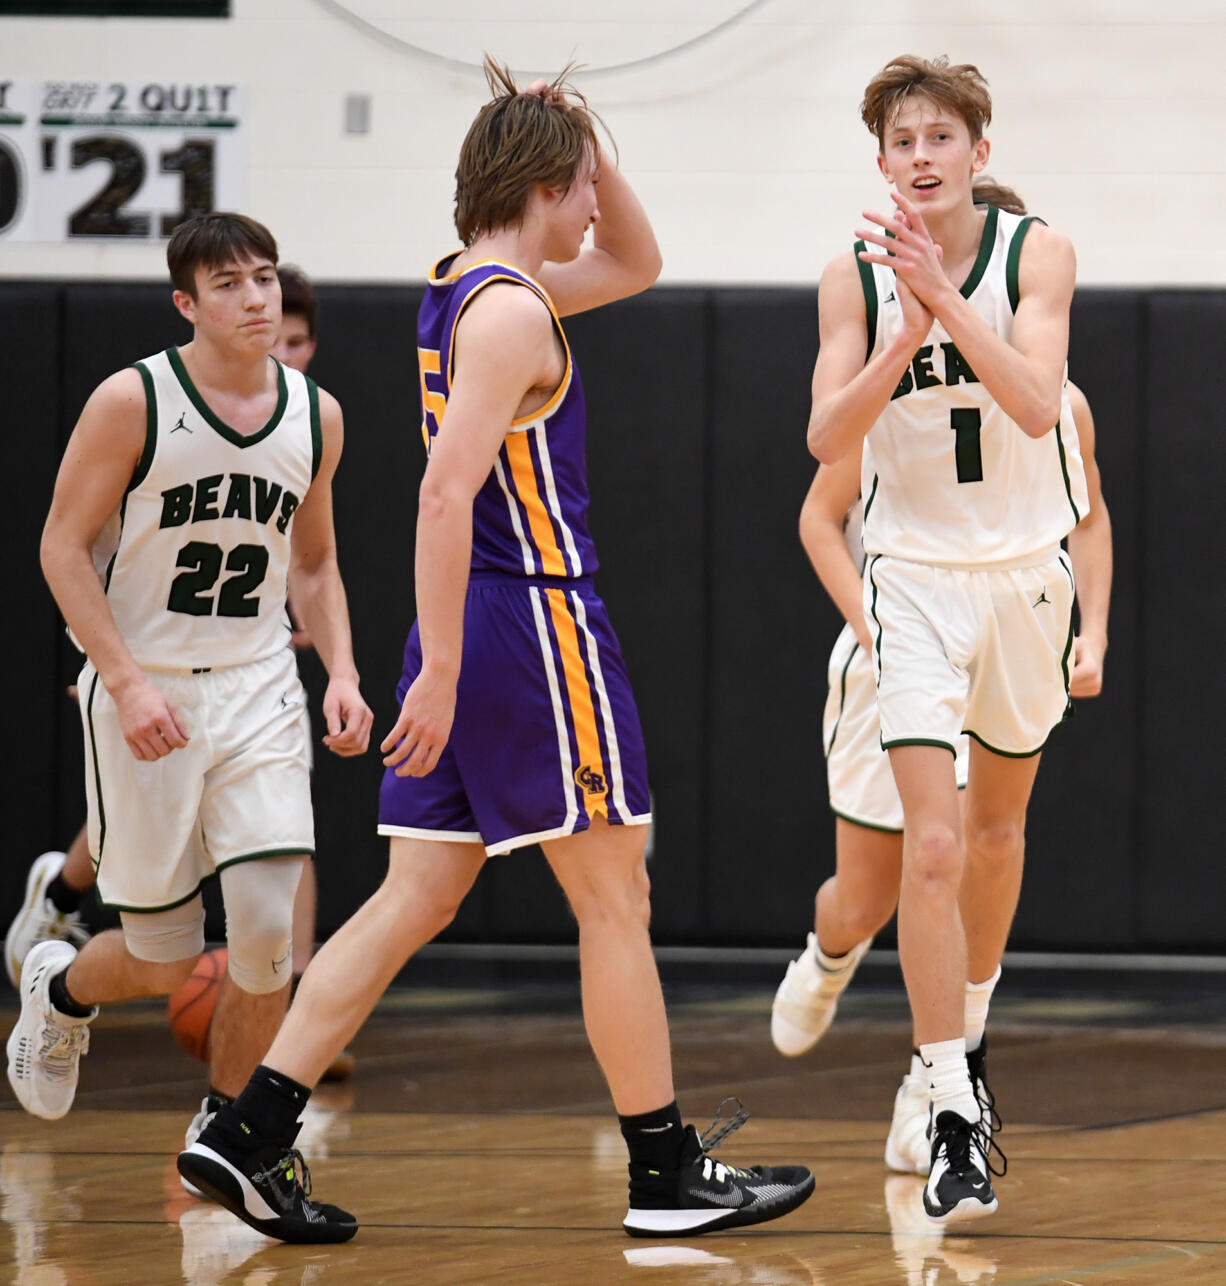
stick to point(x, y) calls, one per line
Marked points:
point(592, 782)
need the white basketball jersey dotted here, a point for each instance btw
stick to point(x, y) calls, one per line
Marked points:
point(198, 575)
point(947, 477)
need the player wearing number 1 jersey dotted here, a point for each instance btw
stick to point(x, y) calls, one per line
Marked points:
point(195, 488)
point(944, 339)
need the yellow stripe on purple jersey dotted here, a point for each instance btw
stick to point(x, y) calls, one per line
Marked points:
point(530, 516)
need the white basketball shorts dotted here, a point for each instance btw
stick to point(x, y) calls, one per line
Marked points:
point(987, 652)
point(858, 773)
point(239, 790)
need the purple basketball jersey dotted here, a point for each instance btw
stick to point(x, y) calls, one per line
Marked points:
point(530, 517)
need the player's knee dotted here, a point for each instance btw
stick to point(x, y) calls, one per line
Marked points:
point(621, 896)
point(260, 956)
point(433, 902)
point(935, 860)
point(998, 840)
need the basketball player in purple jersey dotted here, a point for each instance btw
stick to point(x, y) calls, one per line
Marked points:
point(517, 723)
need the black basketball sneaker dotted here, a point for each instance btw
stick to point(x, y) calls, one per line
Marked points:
point(268, 1188)
point(703, 1194)
point(959, 1184)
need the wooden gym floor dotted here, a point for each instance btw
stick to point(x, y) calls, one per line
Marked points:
point(475, 1144)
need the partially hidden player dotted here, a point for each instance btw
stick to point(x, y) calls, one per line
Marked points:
point(517, 724)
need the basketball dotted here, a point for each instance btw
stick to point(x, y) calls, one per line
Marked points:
point(190, 1007)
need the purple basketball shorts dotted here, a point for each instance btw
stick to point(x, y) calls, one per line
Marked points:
point(546, 734)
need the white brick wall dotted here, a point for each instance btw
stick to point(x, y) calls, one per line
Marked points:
point(748, 150)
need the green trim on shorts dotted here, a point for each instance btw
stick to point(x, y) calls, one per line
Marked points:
point(234, 861)
point(920, 741)
point(298, 851)
point(1012, 754)
point(1068, 647)
point(834, 732)
point(152, 910)
point(866, 826)
point(873, 605)
point(93, 746)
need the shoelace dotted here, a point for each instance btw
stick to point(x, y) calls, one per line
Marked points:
point(60, 1049)
point(987, 1103)
point(298, 1171)
point(957, 1141)
point(65, 925)
point(716, 1133)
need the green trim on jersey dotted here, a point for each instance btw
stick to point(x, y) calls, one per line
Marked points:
point(93, 750)
point(1014, 258)
point(834, 732)
point(317, 433)
point(219, 425)
point(868, 504)
point(1068, 486)
point(987, 244)
point(145, 463)
point(869, 286)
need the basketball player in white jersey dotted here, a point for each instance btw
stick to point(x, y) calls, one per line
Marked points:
point(859, 899)
point(944, 340)
point(195, 488)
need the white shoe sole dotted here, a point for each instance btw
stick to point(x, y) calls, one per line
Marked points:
point(967, 1209)
point(41, 873)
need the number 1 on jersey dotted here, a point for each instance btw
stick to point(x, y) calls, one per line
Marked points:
point(965, 423)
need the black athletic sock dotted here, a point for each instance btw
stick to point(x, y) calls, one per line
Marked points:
point(61, 997)
point(269, 1105)
point(63, 897)
point(654, 1138)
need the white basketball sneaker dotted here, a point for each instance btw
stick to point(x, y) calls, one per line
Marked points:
point(805, 1004)
point(39, 919)
point(907, 1147)
point(208, 1110)
point(45, 1048)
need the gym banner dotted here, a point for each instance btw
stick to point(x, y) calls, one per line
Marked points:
point(97, 159)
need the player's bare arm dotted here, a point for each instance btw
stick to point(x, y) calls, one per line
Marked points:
point(623, 259)
point(848, 395)
point(507, 363)
point(832, 493)
point(319, 594)
point(1024, 376)
point(1090, 548)
point(97, 467)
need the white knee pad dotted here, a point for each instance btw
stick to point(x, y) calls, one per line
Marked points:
point(164, 937)
point(259, 901)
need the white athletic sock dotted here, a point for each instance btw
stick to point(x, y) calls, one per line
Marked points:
point(831, 964)
point(945, 1065)
point(978, 998)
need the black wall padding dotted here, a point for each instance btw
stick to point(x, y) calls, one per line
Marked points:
point(698, 401)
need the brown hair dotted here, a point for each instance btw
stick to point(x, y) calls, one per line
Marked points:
point(298, 296)
point(213, 240)
point(517, 141)
point(960, 88)
point(986, 191)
